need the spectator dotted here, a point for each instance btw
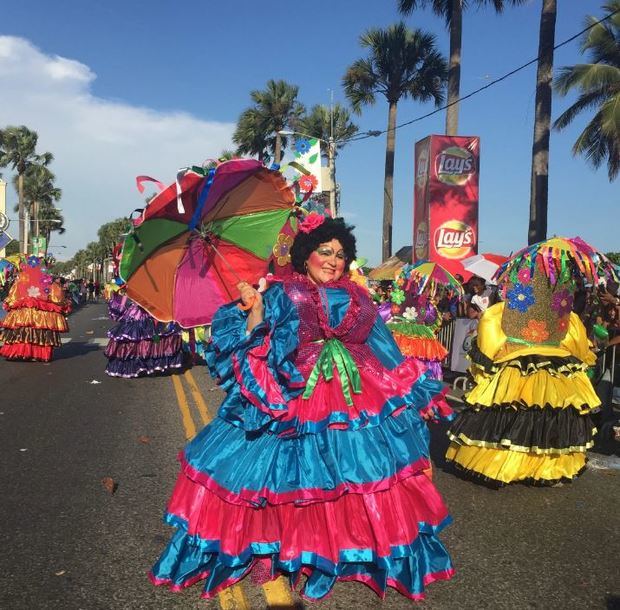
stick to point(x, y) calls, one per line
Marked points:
point(482, 296)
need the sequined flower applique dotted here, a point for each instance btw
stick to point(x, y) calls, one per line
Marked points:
point(398, 296)
point(410, 314)
point(524, 276)
point(535, 331)
point(520, 297)
point(562, 302)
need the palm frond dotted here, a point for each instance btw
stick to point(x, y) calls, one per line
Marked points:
point(585, 101)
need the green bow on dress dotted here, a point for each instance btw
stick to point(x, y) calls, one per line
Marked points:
point(335, 353)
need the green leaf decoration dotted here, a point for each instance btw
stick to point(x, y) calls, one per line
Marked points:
point(313, 158)
point(313, 141)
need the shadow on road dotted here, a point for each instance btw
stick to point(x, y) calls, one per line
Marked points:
point(73, 349)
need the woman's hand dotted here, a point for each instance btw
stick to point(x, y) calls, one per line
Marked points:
point(253, 299)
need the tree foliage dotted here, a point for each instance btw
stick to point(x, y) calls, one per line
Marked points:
point(401, 63)
point(598, 84)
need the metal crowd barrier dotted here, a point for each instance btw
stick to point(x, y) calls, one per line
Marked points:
point(612, 366)
point(445, 335)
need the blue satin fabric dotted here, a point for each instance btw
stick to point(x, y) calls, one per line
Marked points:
point(281, 323)
point(229, 339)
point(322, 461)
point(187, 556)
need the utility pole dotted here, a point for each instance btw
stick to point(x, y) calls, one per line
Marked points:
point(333, 208)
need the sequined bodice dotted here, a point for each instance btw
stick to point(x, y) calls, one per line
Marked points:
point(316, 325)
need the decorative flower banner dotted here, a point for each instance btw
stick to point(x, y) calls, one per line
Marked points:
point(301, 166)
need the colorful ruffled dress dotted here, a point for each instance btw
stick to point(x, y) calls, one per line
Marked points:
point(314, 466)
point(138, 344)
point(528, 414)
point(36, 308)
point(414, 331)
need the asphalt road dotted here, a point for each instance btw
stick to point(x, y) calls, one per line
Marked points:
point(67, 543)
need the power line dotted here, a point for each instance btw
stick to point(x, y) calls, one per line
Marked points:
point(376, 133)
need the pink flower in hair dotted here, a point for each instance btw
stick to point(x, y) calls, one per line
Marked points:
point(311, 222)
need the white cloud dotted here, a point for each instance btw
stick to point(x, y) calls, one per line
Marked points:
point(99, 146)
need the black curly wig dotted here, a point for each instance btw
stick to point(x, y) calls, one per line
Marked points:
point(331, 228)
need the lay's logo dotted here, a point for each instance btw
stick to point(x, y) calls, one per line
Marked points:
point(454, 239)
point(454, 165)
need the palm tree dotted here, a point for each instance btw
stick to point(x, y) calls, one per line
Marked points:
point(402, 63)
point(323, 123)
point(50, 220)
point(599, 87)
point(39, 191)
point(250, 135)
point(277, 108)
point(539, 189)
point(17, 149)
point(332, 126)
point(452, 12)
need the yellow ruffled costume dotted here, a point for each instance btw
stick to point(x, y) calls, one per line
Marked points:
point(527, 418)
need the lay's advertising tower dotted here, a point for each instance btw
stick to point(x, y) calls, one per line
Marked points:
point(445, 216)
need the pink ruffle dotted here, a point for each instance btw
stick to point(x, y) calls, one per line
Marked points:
point(378, 384)
point(326, 528)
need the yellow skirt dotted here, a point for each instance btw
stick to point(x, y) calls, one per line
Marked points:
point(505, 466)
point(541, 388)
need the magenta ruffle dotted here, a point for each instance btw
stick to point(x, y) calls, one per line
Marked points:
point(347, 522)
point(327, 397)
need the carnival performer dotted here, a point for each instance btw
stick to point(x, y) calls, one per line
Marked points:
point(138, 344)
point(36, 308)
point(527, 418)
point(416, 320)
point(314, 464)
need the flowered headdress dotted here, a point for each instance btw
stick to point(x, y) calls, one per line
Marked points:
point(538, 284)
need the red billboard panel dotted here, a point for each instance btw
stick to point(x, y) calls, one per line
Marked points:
point(446, 200)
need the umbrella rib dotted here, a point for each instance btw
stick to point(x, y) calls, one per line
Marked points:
point(228, 265)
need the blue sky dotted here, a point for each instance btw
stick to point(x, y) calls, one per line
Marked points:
point(116, 89)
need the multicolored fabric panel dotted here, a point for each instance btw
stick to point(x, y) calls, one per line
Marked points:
point(204, 282)
point(149, 239)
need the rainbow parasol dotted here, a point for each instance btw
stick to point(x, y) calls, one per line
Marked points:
point(202, 235)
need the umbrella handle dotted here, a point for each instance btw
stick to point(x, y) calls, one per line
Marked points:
point(247, 306)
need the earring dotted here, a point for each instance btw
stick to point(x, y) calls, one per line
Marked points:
point(306, 266)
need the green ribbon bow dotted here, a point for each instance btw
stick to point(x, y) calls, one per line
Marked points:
point(334, 352)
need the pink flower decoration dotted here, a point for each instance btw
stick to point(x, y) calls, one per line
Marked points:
point(311, 222)
point(524, 276)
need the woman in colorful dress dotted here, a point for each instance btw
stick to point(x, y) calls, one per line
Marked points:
point(36, 307)
point(527, 418)
point(314, 466)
